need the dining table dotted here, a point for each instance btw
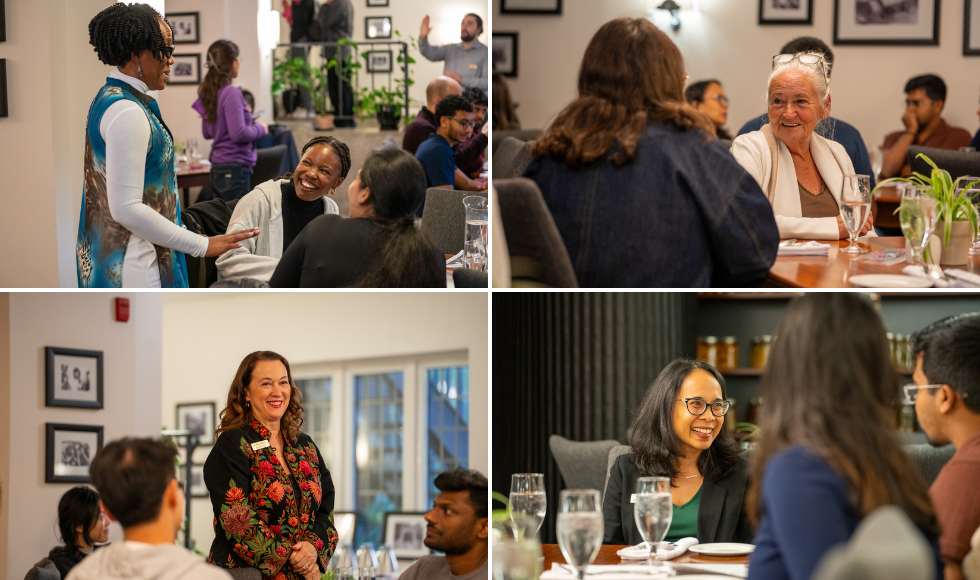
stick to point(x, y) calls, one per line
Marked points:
point(188, 177)
point(836, 268)
point(607, 556)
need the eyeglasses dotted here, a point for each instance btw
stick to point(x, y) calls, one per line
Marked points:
point(167, 51)
point(722, 99)
point(814, 60)
point(697, 406)
point(464, 124)
point(912, 390)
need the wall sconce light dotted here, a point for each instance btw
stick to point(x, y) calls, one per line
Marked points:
point(674, 9)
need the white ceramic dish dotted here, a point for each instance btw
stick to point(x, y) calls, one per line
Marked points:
point(889, 281)
point(722, 549)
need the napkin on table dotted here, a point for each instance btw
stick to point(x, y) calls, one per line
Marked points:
point(612, 572)
point(641, 552)
point(811, 248)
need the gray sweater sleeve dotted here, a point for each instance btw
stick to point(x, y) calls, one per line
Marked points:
point(433, 53)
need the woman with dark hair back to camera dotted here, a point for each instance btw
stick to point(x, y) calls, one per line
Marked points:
point(83, 526)
point(829, 453)
point(227, 119)
point(641, 195)
point(379, 246)
point(679, 432)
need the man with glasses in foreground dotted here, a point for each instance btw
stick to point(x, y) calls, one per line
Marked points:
point(137, 481)
point(454, 115)
point(946, 395)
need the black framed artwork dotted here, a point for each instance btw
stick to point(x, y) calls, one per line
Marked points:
point(869, 22)
point(378, 60)
point(187, 27)
point(377, 27)
point(186, 70)
point(530, 6)
point(504, 51)
point(73, 378)
point(3, 87)
point(405, 531)
point(69, 451)
point(799, 12)
point(377, 3)
point(971, 28)
point(3, 23)
point(198, 418)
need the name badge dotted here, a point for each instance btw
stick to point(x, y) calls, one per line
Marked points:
point(473, 66)
point(633, 498)
point(260, 445)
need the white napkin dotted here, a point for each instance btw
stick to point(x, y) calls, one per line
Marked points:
point(641, 551)
point(811, 248)
point(612, 572)
point(969, 279)
point(726, 570)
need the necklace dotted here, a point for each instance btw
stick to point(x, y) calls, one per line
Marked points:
point(692, 476)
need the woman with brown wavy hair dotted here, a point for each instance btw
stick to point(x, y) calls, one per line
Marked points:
point(271, 493)
point(641, 192)
point(829, 453)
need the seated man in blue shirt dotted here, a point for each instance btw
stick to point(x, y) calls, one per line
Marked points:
point(454, 113)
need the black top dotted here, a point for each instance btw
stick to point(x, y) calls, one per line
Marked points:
point(65, 558)
point(721, 517)
point(296, 213)
point(302, 17)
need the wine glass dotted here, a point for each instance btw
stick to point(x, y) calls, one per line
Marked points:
point(653, 512)
point(528, 502)
point(971, 192)
point(917, 214)
point(855, 204)
point(580, 527)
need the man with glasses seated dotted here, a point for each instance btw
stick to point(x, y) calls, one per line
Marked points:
point(946, 395)
point(137, 481)
point(455, 117)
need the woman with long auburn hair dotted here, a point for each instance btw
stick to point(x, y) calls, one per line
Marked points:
point(829, 453)
point(264, 469)
point(641, 192)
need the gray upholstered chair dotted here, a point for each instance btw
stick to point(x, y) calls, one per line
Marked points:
point(537, 253)
point(43, 570)
point(268, 164)
point(582, 463)
point(928, 459)
point(445, 217)
point(511, 158)
point(886, 546)
point(498, 136)
point(464, 278)
point(957, 163)
point(611, 458)
point(245, 573)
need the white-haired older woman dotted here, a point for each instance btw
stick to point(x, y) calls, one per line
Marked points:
point(801, 172)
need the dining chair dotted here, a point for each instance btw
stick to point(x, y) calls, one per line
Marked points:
point(537, 253)
point(957, 163)
point(445, 217)
point(511, 158)
point(43, 570)
point(268, 164)
point(498, 136)
point(465, 278)
point(345, 523)
point(614, 454)
point(929, 460)
point(582, 463)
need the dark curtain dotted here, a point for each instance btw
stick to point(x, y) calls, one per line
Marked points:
point(575, 365)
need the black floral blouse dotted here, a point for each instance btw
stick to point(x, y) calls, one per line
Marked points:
point(257, 514)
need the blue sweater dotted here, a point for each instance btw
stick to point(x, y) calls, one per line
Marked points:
point(806, 512)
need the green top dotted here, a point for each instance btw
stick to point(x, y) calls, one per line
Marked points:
point(685, 520)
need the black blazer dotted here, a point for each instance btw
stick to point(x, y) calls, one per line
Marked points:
point(721, 517)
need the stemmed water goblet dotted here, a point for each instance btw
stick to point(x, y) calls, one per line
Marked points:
point(528, 502)
point(653, 512)
point(580, 527)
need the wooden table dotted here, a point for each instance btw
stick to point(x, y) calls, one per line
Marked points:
point(834, 269)
point(886, 201)
point(188, 178)
point(607, 556)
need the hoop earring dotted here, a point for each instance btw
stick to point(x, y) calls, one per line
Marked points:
point(248, 404)
point(139, 69)
point(333, 191)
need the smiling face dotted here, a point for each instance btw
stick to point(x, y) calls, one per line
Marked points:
point(268, 391)
point(318, 173)
point(715, 104)
point(99, 531)
point(696, 433)
point(156, 73)
point(456, 128)
point(794, 108)
point(453, 527)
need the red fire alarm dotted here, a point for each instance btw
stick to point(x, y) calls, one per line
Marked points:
point(122, 309)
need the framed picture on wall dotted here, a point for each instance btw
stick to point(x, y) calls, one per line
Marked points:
point(530, 6)
point(377, 27)
point(3, 87)
point(971, 28)
point(894, 23)
point(3, 24)
point(70, 450)
point(186, 70)
point(377, 3)
point(196, 485)
point(785, 12)
point(505, 53)
point(378, 60)
point(197, 418)
point(187, 27)
point(73, 378)
point(405, 531)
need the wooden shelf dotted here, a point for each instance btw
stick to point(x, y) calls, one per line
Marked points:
point(748, 295)
point(750, 372)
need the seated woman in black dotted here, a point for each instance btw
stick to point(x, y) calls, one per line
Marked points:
point(679, 432)
point(379, 245)
point(82, 524)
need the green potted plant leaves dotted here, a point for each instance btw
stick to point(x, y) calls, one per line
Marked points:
point(287, 76)
point(321, 91)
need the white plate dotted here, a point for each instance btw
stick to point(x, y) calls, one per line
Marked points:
point(889, 281)
point(722, 549)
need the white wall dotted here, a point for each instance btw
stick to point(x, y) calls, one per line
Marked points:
point(724, 41)
point(206, 336)
point(132, 386)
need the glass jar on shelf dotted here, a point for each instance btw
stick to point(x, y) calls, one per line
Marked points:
point(709, 350)
point(728, 354)
point(760, 350)
point(891, 347)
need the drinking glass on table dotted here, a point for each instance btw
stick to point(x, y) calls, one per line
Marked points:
point(855, 205)
point(653, 512)
point(474, 256)
point(968, 149)
point(969, 187)
point(580, 527)
point(917, 215)
point(528, 502)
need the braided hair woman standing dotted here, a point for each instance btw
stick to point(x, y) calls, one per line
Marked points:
point(227, 119)
point(280, 208)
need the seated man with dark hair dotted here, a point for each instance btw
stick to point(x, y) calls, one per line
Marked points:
point(458, 527)
point(946, 395)
point(470, 153)
point(137, 480)
point(454, 115)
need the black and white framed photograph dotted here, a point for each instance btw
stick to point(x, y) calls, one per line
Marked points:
point(378, 61)
point(3, 24)
point(886, 22)
point(971, 28)
point(197, 418)
point(3, 87)
point(530, 6)
point(405, 531)
point(186, 70)
point(345, 523)
point(73, 378)
point(786, 12)
point(70, 450)
point(187, 27)
point(196, 486)
point(377, 27)
point(504, 51)
point(377, 3)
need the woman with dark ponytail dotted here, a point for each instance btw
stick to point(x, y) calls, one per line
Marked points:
point(83, 526)
point(379, 246)
point(227, 119)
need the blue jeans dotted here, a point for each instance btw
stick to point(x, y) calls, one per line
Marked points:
point(230, 181)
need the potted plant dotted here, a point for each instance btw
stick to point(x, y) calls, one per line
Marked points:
point(384, 104)
point(286, 77)
point(955, 212)
point(321, 91)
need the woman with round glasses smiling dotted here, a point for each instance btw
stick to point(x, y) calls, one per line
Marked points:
point(678, 432)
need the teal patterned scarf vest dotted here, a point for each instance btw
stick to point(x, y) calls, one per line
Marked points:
point(101, 245)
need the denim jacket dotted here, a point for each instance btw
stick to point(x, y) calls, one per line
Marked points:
point(682, 213)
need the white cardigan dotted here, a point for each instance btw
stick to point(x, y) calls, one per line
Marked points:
point(752, 152)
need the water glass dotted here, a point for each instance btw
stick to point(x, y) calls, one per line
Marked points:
point(968, 149)
point(516, 559)
point(580, 527)
point(343, 563)
point(528, 503)
point(474, 256)
point(477, 218)
point(855, 205)
point(917, 215)
point(653, 512)
point(971, 190)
